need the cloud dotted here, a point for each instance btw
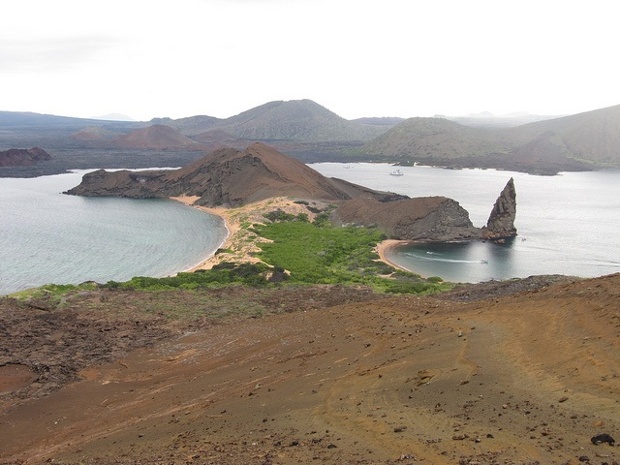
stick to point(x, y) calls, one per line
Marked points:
point(52, 55)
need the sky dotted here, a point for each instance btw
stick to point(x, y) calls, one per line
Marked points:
point(357, 58)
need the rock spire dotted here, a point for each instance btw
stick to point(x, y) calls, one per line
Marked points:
point(501, 223)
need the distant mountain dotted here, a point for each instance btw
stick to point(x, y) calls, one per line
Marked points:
point(23, 157)
point(298, 121)
point(294, 120)
point(95, 134)
point(51, 131)
point(189, 126)
point(427, 138)
point(487, 119)
point(593, 136)
point(157, 136)
point(312, 133)
point(572, 143)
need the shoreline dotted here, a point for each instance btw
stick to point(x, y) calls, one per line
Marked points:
point(385, 246)
point(234, 242)
point(232, 228)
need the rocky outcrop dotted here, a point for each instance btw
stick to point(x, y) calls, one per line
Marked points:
point(501, 223)
point(417, 219)
point(431, 218)
point(23, 157)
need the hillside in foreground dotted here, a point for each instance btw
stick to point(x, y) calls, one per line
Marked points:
point(519, 372)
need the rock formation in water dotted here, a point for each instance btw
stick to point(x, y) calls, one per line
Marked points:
point(501, 223)
point(23, 157)
point(416, 219)
point(232, 178)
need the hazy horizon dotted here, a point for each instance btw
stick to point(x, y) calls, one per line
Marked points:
point(362, 58)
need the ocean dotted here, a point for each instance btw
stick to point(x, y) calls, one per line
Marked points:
point(48, 237)
point(567, 224)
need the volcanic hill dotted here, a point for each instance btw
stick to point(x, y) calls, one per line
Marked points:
point(580, 142)
point(312, 133)
point(23, 157)
point(231, 178)
point(156, 136)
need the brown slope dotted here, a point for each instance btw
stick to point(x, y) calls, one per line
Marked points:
point(232, 177)
point(225, 177)
point(518, 379)
point(23, 157)
point(155, 137)
point(423, 218)
point(95, 134)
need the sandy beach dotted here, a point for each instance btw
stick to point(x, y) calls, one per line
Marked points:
point(384, 246)
point(231, 224)
point(238, 248)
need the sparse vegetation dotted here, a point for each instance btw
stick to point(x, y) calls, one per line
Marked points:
point(298, 252)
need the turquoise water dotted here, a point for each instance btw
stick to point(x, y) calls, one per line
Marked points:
point(567, 224)
point(49, 237)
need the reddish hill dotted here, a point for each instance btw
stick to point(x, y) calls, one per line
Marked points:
point(155, 137)
point(95, 134)
point(231, 177)
point(23, 157)
point(225, 177)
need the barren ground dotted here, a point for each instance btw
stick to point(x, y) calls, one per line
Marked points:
point(329, 375)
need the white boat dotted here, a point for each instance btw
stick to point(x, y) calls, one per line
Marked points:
point(396, 173)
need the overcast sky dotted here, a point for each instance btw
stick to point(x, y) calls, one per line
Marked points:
point(154, 58)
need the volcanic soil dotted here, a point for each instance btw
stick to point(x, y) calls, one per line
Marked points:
point(521, 372)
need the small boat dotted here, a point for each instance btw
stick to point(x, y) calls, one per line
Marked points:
point(396, 173)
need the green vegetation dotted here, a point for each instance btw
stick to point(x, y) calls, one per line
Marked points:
point(54, 293)
point(301, 253)
point(325, 254)
point(296, 253)
point(222, 274)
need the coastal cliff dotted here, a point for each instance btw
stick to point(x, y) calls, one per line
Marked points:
point(231, 178)
point(416, 219)
point(437, 219)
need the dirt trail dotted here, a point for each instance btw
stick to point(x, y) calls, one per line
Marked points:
point(519, 379)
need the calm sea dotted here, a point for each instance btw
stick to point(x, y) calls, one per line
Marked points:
point(48, 237)
point(567, 224)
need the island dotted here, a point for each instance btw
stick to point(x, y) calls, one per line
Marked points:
point(244, 179)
